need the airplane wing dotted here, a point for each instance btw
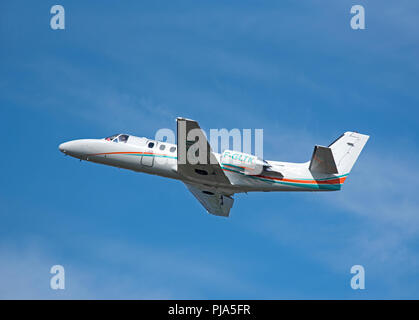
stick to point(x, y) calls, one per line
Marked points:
point(215, 202)
point(196, 162)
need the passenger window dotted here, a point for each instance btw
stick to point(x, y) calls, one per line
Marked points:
point(162, 147)
point(172, 149)
point(151, 145)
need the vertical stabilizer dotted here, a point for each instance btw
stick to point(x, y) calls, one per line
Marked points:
point(346, 150)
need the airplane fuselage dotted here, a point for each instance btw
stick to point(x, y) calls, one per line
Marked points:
point(160, 158)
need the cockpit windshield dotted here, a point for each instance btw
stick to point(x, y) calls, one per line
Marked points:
point(123, 138)
point(118, 138)
point(111, 137)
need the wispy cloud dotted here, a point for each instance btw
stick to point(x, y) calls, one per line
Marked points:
point(131, 272)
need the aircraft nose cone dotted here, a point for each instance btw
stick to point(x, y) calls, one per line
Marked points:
point(72, 148)
point(80, 148)
point(61, 147)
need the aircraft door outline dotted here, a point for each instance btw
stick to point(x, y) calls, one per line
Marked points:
point(148, 158)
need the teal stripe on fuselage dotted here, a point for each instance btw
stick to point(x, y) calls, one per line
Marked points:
point(300, 185)
point(321, 179)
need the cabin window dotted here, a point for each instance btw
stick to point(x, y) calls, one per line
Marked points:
point(172, 149)
point(151, 145)
point(162, 147)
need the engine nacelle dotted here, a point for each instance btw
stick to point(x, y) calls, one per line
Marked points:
point(243, 162)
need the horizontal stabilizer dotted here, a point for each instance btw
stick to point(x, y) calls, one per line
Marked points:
point(322, 160)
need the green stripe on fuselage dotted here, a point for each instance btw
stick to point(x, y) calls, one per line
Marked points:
point(299, 185)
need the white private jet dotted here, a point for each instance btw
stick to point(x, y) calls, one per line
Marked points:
point(215, 178)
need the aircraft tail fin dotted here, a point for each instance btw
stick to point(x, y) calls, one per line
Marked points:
point(340, 156)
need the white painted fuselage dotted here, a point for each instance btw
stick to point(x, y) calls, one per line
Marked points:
point(160, 158)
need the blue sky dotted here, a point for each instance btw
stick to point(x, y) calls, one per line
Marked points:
point(294, 68)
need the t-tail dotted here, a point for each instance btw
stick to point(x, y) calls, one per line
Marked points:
point(339, 157)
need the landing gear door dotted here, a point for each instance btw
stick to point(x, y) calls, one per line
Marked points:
point(148, 157)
